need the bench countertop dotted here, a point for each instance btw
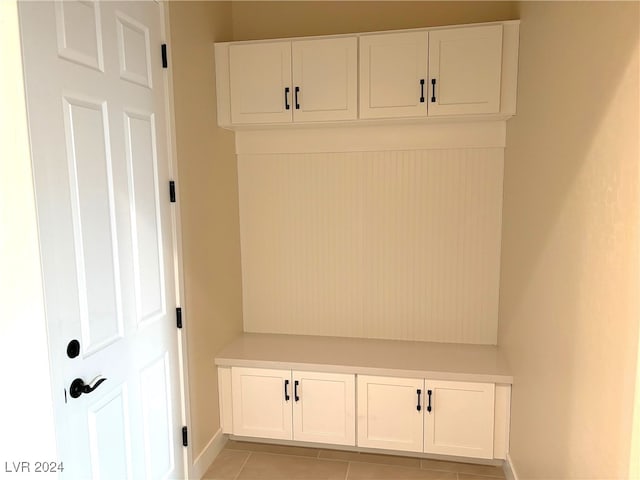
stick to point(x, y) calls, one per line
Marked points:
point(397, 358)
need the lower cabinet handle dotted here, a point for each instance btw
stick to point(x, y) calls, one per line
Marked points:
point(297, 90)
point(419, 392)
point(429, 406)
point(286, 98)
point(422, 90)
point(433, 90)
point(295, 390)
point(286, 391)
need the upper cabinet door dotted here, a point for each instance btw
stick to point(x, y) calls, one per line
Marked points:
point(325, 79)
point(460, 420)
point(260, 80)
point(465, 66)
point(393, 75)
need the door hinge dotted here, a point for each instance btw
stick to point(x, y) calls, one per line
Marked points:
point(172, 191)
point(184, 437)
point(179, 317)
point(163, 48)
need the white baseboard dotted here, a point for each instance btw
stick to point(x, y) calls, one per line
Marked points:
point(509, 469)
point(208, 454)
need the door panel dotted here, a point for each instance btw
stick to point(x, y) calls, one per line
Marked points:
point(387, 413)
point(461, 419)
point(260, 405)
point(325, 409)
point(325, 71)
point(259, 74)
point(391, 68)
point(97, 120)
point(466, 64)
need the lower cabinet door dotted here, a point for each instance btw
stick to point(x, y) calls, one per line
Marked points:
point(390, 413)
point(324, 408)
point(262, 400)
point(460, 420)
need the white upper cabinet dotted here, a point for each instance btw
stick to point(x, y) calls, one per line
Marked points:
point(325, 79)
point(465, 68)
point(459, 418)
point(260, 80)
point(301, 81)
point(423, 74)
point(393, 74)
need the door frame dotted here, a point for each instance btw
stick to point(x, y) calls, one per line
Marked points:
point(176, 230)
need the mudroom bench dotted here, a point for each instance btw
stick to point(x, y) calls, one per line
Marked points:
point(426, 399)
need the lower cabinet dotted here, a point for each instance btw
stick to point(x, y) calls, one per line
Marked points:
point(416, 415)
point(465, 419)
point(293, 405)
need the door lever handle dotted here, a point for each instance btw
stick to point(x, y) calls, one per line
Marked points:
point(78, 387)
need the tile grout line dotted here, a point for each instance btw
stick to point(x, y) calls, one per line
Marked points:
point(243, 465)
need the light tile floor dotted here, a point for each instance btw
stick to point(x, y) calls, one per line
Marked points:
point(256, 461)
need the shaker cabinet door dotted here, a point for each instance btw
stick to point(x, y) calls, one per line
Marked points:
point(261, 402)
point(260, 82)
point(324, 408)
point(393, 74)
point(388, 413)
point(461, 418)
point(465, 66)
point(325, 79)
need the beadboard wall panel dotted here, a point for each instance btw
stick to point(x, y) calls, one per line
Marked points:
point(395, 244)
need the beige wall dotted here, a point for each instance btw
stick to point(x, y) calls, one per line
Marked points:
point(569, 284)
point(208, 196)
point(266, 19)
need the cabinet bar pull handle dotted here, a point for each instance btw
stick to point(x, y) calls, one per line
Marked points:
point(422, 90)
point(419, 392)
point(429, 406)
point(286, 391)
point(296, 98)
point(295, 390)
point(433, 90)
point(286, 98)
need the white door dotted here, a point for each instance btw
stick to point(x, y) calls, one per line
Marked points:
point(393, 75)
point(260, 79)
point(262, 401)
point(466, 65)
point(324, 408)
point(461, 418)
point(97, 120)
point(390, 413)
point(325, 79)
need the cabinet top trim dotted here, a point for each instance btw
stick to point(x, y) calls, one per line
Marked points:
point(437, 361)
point(362, 34)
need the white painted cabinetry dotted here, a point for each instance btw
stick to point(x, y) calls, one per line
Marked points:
point(261, 402)
point(325, 79)
point(324, 408)
point(416, 415)
point(465, 68)
point(460, 418)
point(302, 80)
point(393, 73)
point(286, 405)
point(422, 73)
point(462, 78)
point(388, 415)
